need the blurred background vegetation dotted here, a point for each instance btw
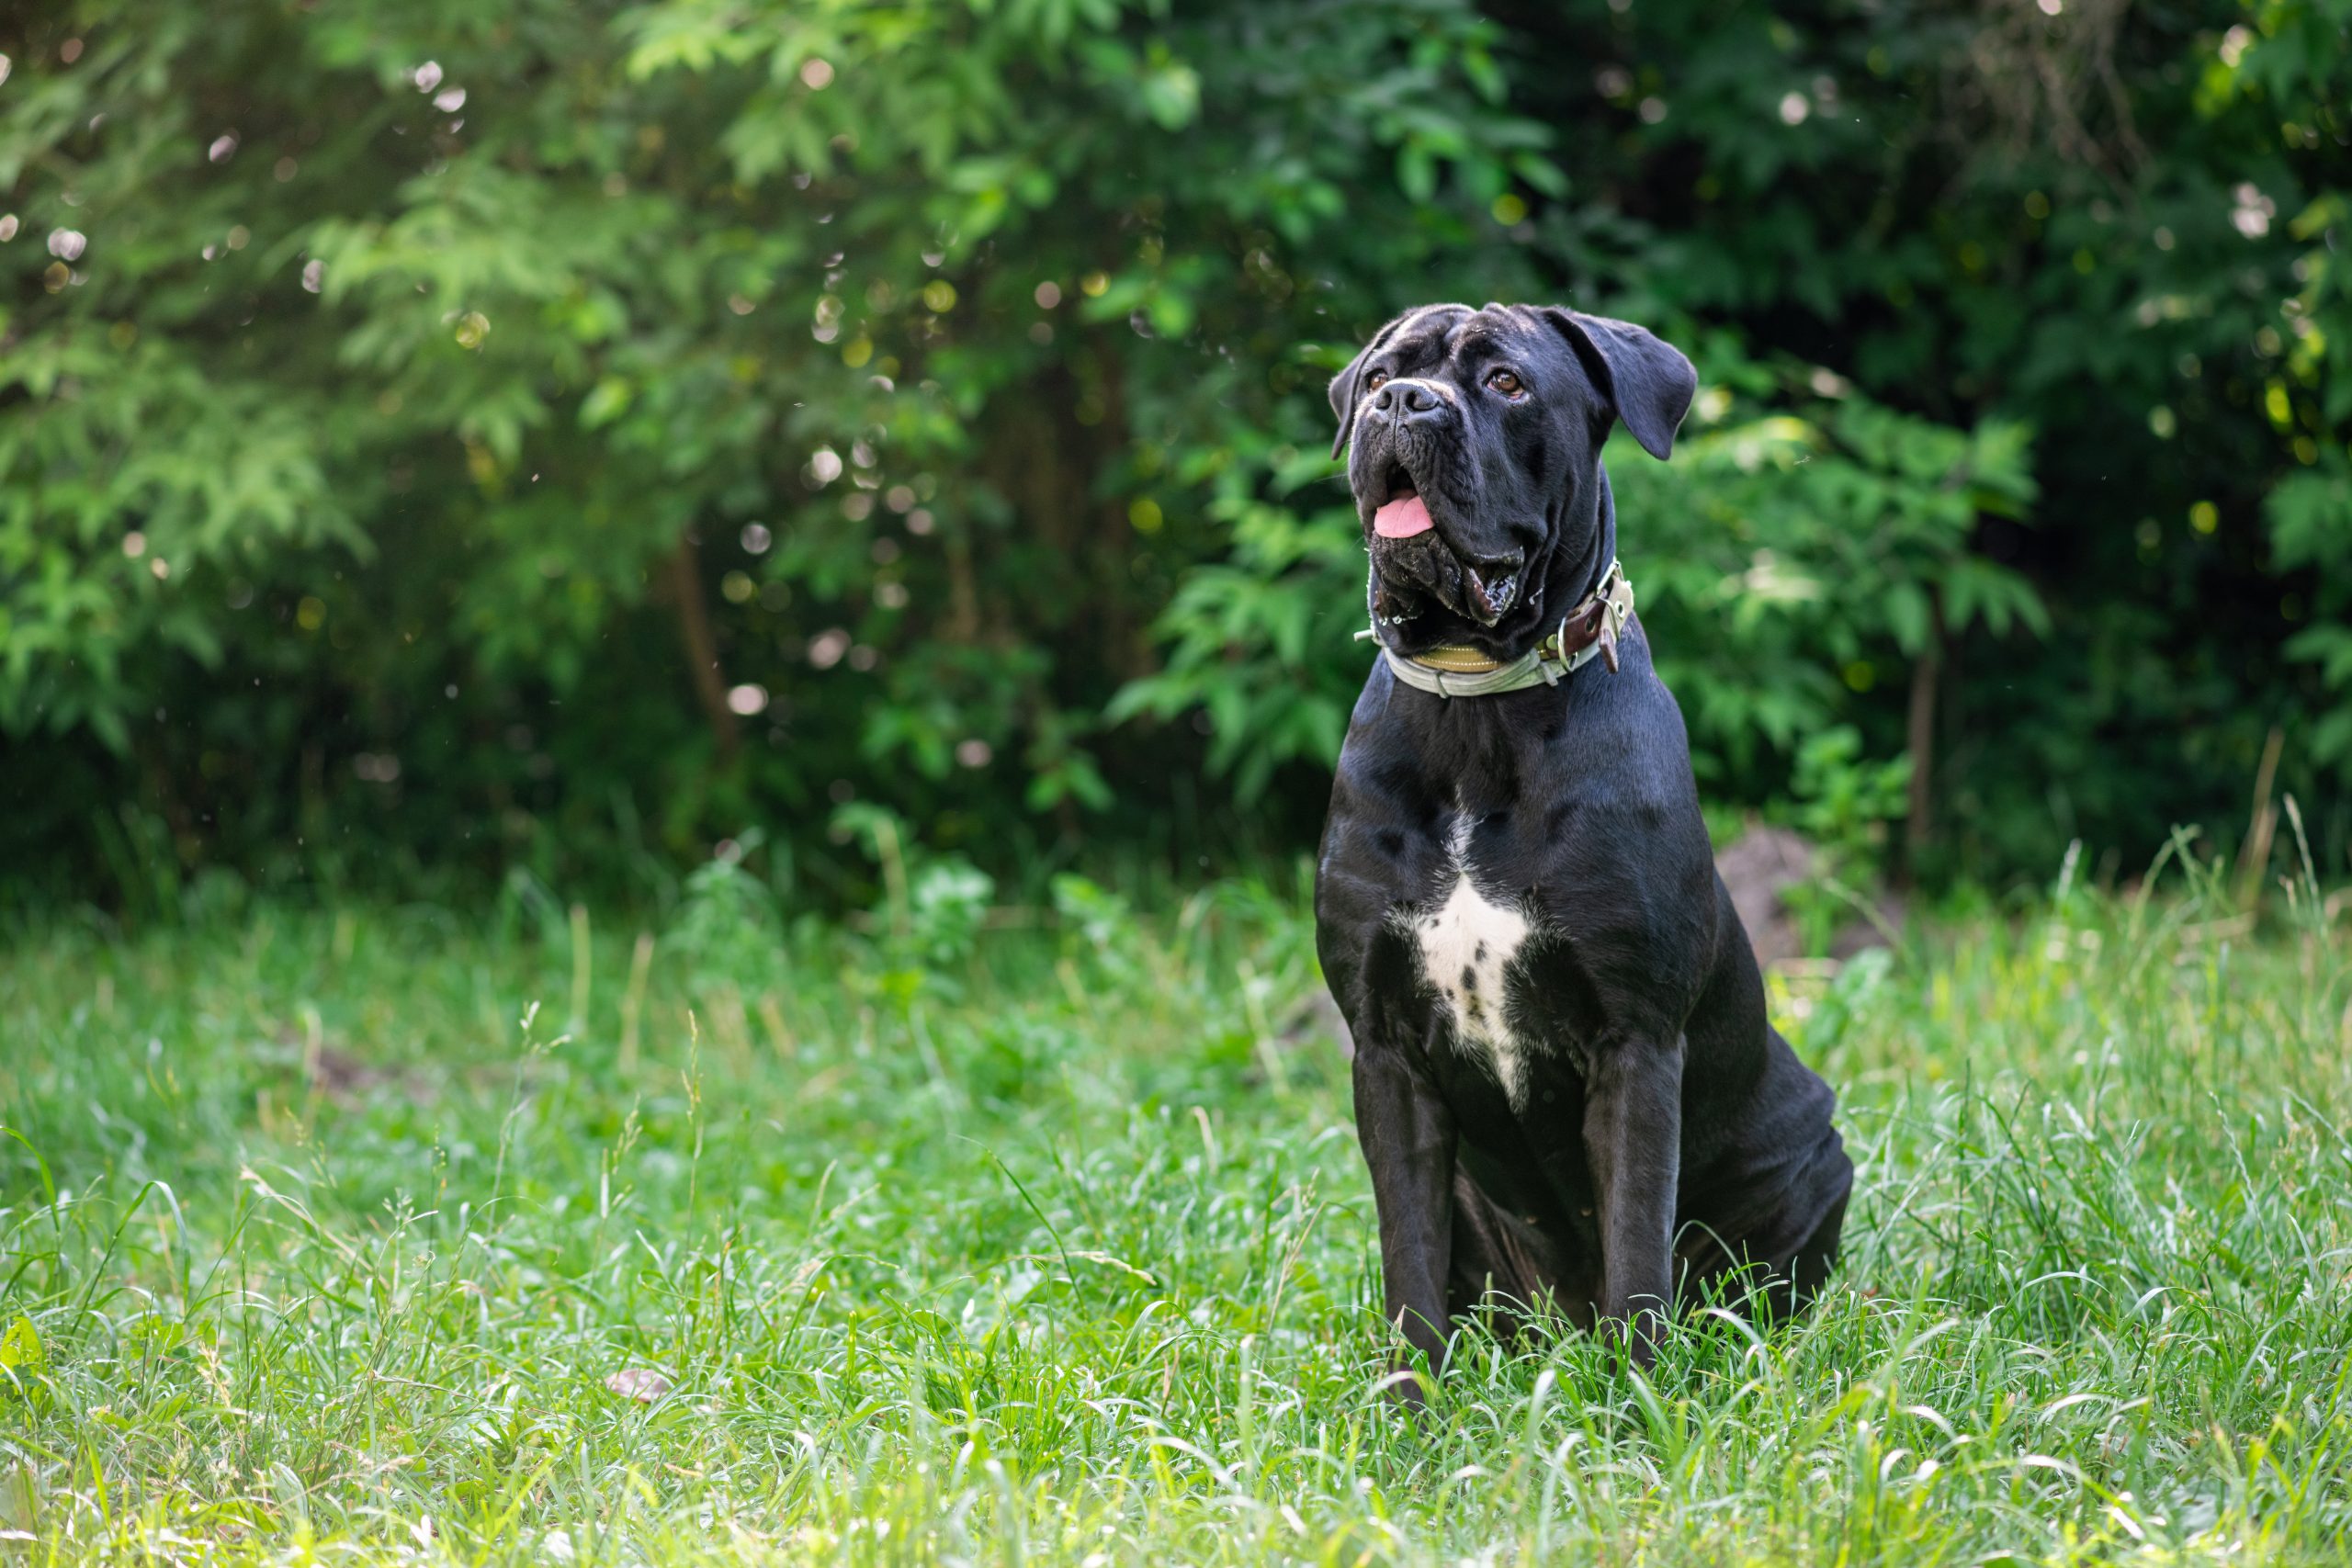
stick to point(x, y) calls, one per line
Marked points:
point(444, 443)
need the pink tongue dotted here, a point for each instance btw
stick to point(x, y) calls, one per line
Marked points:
point(1401, 519)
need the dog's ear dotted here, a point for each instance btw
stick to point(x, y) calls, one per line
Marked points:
point(1343, 400)
point(1648, 383)
point(1343, 386)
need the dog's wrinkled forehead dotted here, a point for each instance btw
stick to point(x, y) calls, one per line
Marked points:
point(1461, 344)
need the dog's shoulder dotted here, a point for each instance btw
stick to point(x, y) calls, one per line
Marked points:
point(1623, 849)
point(1620, 745)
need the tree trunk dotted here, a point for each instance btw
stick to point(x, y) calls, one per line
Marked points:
point(1919, 827)
point(701, 645)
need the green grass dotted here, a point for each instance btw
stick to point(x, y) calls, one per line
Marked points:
point(333, 1244)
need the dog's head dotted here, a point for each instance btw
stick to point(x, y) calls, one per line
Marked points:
point(1476, 440)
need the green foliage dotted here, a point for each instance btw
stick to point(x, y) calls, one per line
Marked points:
point(554, 436)
point(1844, 802)
point(1258, 642)
point(727, 929)
point(2288, 64)
point(309, 1251)
point(932, 905)
point(2310, 526)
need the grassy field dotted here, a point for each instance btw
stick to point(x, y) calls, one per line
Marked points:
point(382, 1234)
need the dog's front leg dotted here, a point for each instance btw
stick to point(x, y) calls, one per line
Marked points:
point(1632, 1136)
point(1407, 1137)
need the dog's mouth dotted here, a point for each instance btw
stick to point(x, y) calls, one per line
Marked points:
point(1413, 560)
point(1403, 514)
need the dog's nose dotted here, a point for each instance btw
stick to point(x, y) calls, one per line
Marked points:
point(1407, 400)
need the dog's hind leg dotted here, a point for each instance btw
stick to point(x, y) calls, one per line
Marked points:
point(1773, 1287)
point(1809, 1270)
point(1502, 1269)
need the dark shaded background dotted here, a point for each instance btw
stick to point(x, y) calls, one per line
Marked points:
point(445, 442)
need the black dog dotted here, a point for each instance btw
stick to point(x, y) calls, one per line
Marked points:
point(1565, 1085)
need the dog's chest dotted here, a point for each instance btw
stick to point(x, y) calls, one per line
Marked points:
point(1467, 940)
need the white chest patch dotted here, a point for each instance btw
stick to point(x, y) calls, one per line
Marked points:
point(1466, 944)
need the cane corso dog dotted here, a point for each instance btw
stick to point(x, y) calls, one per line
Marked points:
point(1565, 1087)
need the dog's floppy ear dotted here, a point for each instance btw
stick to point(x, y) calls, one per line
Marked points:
point(1648, 383)
point(1345, 385)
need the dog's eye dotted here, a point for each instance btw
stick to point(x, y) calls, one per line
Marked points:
point(1372, 382)
point(1506, 383)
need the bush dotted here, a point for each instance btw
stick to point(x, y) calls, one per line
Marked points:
point(437, 439)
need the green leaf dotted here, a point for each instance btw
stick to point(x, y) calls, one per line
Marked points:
point(21, 1357)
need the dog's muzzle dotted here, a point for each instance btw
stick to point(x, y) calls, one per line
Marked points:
point(1420, 566)
point(1410, 554)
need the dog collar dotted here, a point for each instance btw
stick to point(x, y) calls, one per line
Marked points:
point(1590, 630)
